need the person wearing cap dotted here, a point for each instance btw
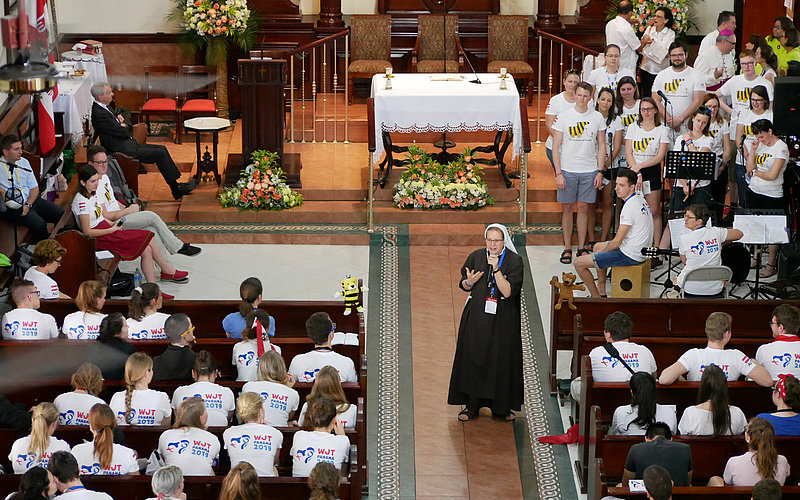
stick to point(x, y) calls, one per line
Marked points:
point(487, 367)
point(715, 63)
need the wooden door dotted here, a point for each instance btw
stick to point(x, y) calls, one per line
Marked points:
point(756, 17)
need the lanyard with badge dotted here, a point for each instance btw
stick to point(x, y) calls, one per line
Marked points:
point(8, 171)
point(491, 301)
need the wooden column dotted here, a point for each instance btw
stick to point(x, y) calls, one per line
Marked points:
point(547, 15)
point(330, 14)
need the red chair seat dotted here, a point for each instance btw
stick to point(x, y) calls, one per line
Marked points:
point(199, 106)
point(160, 105)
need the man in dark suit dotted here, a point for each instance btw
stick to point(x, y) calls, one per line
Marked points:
point(115, 135)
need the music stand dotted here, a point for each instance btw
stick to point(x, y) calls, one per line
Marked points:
point(761, 227)
point(694, 166)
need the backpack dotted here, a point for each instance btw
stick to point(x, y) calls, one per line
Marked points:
point(122, 191)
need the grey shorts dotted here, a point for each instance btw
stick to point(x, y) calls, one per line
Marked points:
point(580, 187)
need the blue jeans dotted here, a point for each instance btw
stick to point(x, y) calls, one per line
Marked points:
point(613, 258)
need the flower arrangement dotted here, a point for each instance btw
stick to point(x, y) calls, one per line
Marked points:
point(209, 17)
point(428, 184)
point(261, 186)
point(645, 10)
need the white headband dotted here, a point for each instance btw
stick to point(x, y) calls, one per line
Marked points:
point(506, 237)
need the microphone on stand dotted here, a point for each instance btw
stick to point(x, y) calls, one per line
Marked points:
point(476, 80)
point(683, 144)
point(661, 94)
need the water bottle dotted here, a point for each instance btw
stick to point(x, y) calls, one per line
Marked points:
point(138, 279)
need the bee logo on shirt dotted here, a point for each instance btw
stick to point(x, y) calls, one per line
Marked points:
point(90, 469)
point(748, 130)
point(672, 87)
point(246, 358)
point(743, 95)
point(640, 146)
point(578, 129)
point(306, 455)
point(782, 359)
point(760, 159)
point(178, 446)
point(240, 441)
point(628, 119)
point(712, 132)
point(108, 194)
point(97, 210)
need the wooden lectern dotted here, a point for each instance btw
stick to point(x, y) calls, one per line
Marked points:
point(261, 84)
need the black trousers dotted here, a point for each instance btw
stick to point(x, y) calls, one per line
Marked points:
point(38, 216)
point(646, 85)
point(155, 153)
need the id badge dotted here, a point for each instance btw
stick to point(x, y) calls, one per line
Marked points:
point(646, 187)
point(491, 306)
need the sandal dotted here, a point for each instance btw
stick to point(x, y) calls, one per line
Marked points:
point(508, 418)
point(466, 415)
point(590, 246)
point(566, 256)
point(769, 270)
point(582, 251)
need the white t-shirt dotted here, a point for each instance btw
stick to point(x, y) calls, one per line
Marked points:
point(702, 247)
point(636, 214)
point(746, 119)
point(625, 415)
point(304, 367)
point(600, 77)
point(346, 417)
point(84, 495)
point(245, 358)
point(606, 368)
point(679, 87)
point(620, 32)
point(148, 407)
point(148, 328)
point(73, 407)
point(279, 400)
point(765, 159)
point(312, 447)
point(737, 92)
point(219, 400)
point(22, 461)
point(123, 460)
point(780, 356)
point(620, 124)
point(733, 362)
point(697, 422)
point(193, 450)
point(718, 131)
point(557, 104)
point(645, 144)
point(28, 324)
point(87, 206)
point(705, 141)
point(257, 444)
point(47, 286)
point(579, 139)
point(80, 325)
point(105, 194)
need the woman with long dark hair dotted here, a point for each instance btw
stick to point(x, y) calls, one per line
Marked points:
point(111, 349)
point(633, 419)
point(37, 483)
point(713, 416)
point(786, 397)
point(250, 292)
point(605, 105)
point(144, 320)
point(761, 461)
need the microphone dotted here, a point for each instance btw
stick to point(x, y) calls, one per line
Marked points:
point(661, 94)
point(683, 144)
point(609, 347)
point(476, 80)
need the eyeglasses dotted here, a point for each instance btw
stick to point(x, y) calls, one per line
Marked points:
point(751, 63)
point(687, 216)
point(333, 327)
point(190, 330)
point(99, 162)
point(646, 110)
point(493, 241)
point(58, 260)
point(35, 292)
point(773, 323)
point(757, 99)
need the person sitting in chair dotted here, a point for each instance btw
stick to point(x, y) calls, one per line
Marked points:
point(115, 135)
point(700, 248)
point(635, 232)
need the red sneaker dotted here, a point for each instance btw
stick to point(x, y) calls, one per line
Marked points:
point(178, 277)
point(166, 296)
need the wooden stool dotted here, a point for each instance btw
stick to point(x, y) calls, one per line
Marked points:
point(631, 281)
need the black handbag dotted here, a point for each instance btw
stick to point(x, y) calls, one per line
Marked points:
point(120, 285)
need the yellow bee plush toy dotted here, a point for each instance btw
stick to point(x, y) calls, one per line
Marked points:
point(350, 291)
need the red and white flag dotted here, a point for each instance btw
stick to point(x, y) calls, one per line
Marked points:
point(41, 34)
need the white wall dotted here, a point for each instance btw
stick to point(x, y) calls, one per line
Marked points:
point(706, 14)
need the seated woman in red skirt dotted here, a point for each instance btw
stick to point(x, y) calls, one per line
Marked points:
point(129, 244)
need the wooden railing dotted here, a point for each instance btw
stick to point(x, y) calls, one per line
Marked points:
point(560, 57)
point(318, 89)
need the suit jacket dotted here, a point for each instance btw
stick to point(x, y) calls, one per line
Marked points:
point(113, 135)
point(175, 363)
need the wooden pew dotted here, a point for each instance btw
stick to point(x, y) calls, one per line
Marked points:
point(681, 319)
point(290, 316)
point(696, 493)
point(709, 455)
point(749, 396)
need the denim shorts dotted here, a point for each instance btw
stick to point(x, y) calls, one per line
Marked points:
point(613, 258)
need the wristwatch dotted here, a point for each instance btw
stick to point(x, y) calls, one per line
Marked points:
point(28, 205)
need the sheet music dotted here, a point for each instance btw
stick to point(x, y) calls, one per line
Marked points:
point(677, 229)
point(762, 229)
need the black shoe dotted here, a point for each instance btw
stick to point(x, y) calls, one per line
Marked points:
point(189, 250)
point(182, 188)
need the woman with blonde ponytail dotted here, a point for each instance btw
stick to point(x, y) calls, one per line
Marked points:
point(102, 456)
point(241, 483)
point(760, 462)
point(264, 440)
point(250, 292)
point(144, 320)
point(138, 404)
point(73, 407)
point(275, 387)
point(37, 448)
point(329, 387)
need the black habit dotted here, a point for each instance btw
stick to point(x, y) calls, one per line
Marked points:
point(487, 369)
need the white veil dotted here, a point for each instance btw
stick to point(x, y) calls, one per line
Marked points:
point(506, 236)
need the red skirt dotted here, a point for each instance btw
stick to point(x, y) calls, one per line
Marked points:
point(127, 243)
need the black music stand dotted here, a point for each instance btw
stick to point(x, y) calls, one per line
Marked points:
point(694, 166)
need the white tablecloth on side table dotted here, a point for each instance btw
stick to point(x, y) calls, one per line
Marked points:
point(417, 104)
point(93, 64)
point(75, 101)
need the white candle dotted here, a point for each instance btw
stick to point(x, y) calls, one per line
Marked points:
point(388, 71)
point(503, 71)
